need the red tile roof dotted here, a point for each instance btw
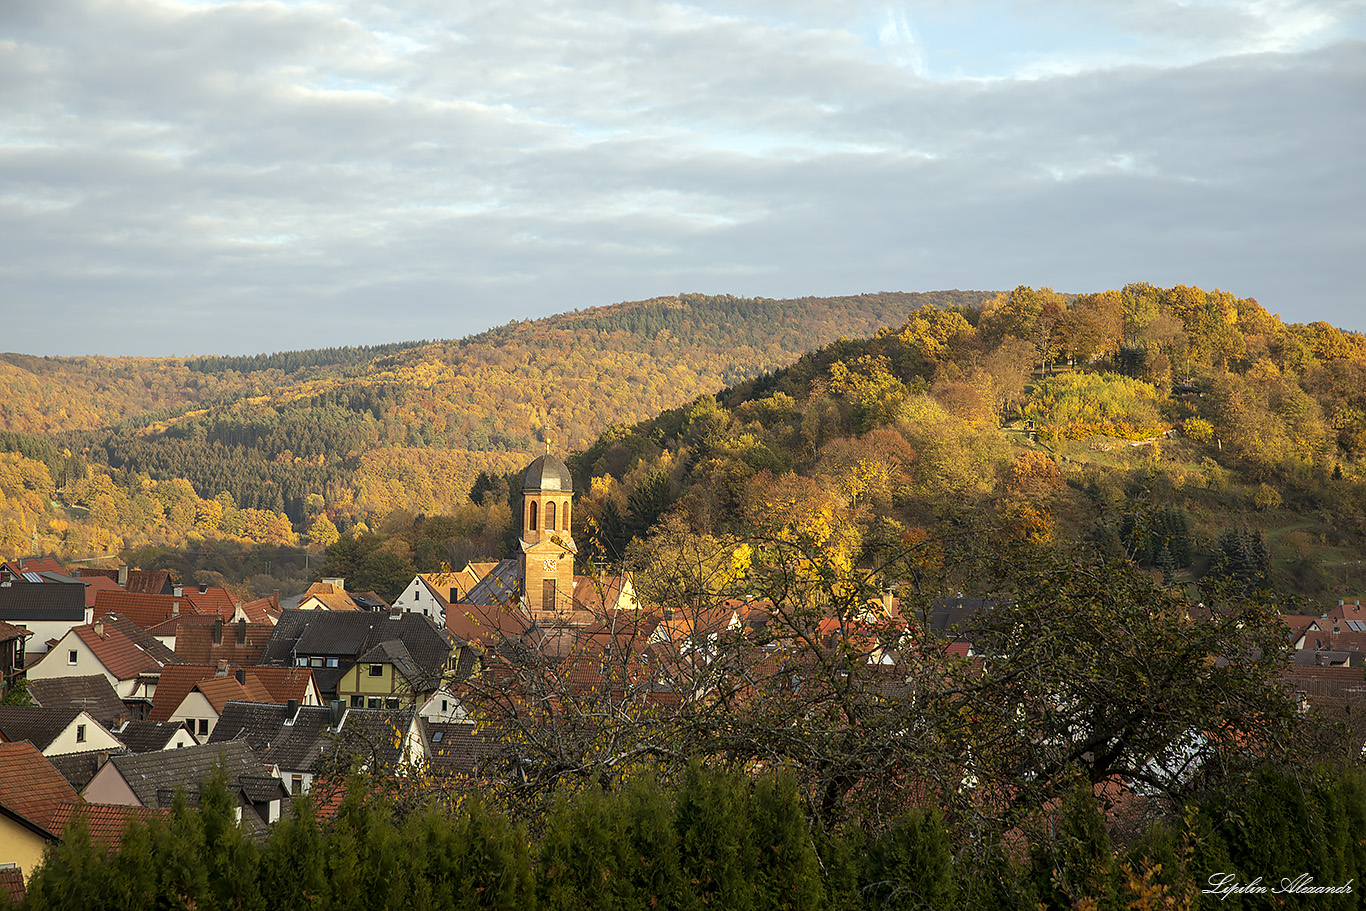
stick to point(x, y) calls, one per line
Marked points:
point(12, 884)
point(30, 786)
point(9, 631)
point(36, 565)
point(264, 684)
point(213, 599)
point(120, 655)
point(106, 822)
point(222, 690)
point(96, 584)
point(194, 642)
point(177, 680)
point(144, 610)
point(143, 581)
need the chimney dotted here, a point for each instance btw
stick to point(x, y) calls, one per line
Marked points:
point(222, 669)
point(175, 608)
point(178, 592)
point(218, 631)
point(275, 597)
point(242, 631)
point(241, 676)
point(123, 575)
point(99, 628)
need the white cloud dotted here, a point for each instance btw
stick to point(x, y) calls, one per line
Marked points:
point(253, 176)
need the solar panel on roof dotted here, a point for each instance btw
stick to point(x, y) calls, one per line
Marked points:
point(33, 577)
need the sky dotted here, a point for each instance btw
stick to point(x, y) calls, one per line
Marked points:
point(245, 176)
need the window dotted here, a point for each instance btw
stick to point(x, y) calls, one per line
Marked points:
point(531, 516)
point(357, 702)
point(443, 706)
point(71, 657)
point(550, 516)
point(548, 594)
point(376, 702)
point(203, 727)
point(317, 661)
point(301, 661)
point(331, 662)
point(565, 520)
point(391, 703)
point(376, 670)
point(296, 785)
point(80, 733)
point(417, 594)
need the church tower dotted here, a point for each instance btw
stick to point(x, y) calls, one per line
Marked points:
point(547, 545)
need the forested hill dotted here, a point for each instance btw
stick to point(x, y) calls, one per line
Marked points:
point(1191, 430)
point(355, 433)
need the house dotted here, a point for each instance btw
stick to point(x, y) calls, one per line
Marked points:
point(145, 610)
point(30, 568)
point(11, 652)
point(331, 642)
point(291, 739)
point(429, 594)
point(145, 582)
point(329, 594)
point(195, 695)
point(55, 731)
point(238, 643)
point(119, 651)
point(381, 739)
point(37, 805)
point(31, 796)
point(93, 693)
point(455, 749)
point(47, 610)
point(151, 736)
point(152, 780)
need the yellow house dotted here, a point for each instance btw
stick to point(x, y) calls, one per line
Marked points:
point(22, 841)
point(32, 795)
point(387, 677)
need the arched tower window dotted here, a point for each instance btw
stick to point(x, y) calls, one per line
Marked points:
point(550, 516)
point(531, 517)
point(565, 514)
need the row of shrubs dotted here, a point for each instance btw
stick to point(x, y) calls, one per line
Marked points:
point(718, 840)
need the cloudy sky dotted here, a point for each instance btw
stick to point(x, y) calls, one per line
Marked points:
point(239, 176)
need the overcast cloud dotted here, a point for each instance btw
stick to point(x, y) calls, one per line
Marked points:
point(238, 177)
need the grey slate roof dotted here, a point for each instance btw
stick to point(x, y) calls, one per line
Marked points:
point(454, 749)
point(292, 745)
point(547, 473)
point(94, 694)
point(78, 768)
point(38, 726)
point(188, 768)
point(147, 736)
point(373, 735)
point(501, 585)
point(21, 601)
point(953, 616)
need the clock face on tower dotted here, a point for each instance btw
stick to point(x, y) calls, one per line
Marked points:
point(550, 564)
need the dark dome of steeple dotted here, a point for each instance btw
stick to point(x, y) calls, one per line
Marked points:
point(547, 473)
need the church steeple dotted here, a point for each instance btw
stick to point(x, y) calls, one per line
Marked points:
point(547, 543)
